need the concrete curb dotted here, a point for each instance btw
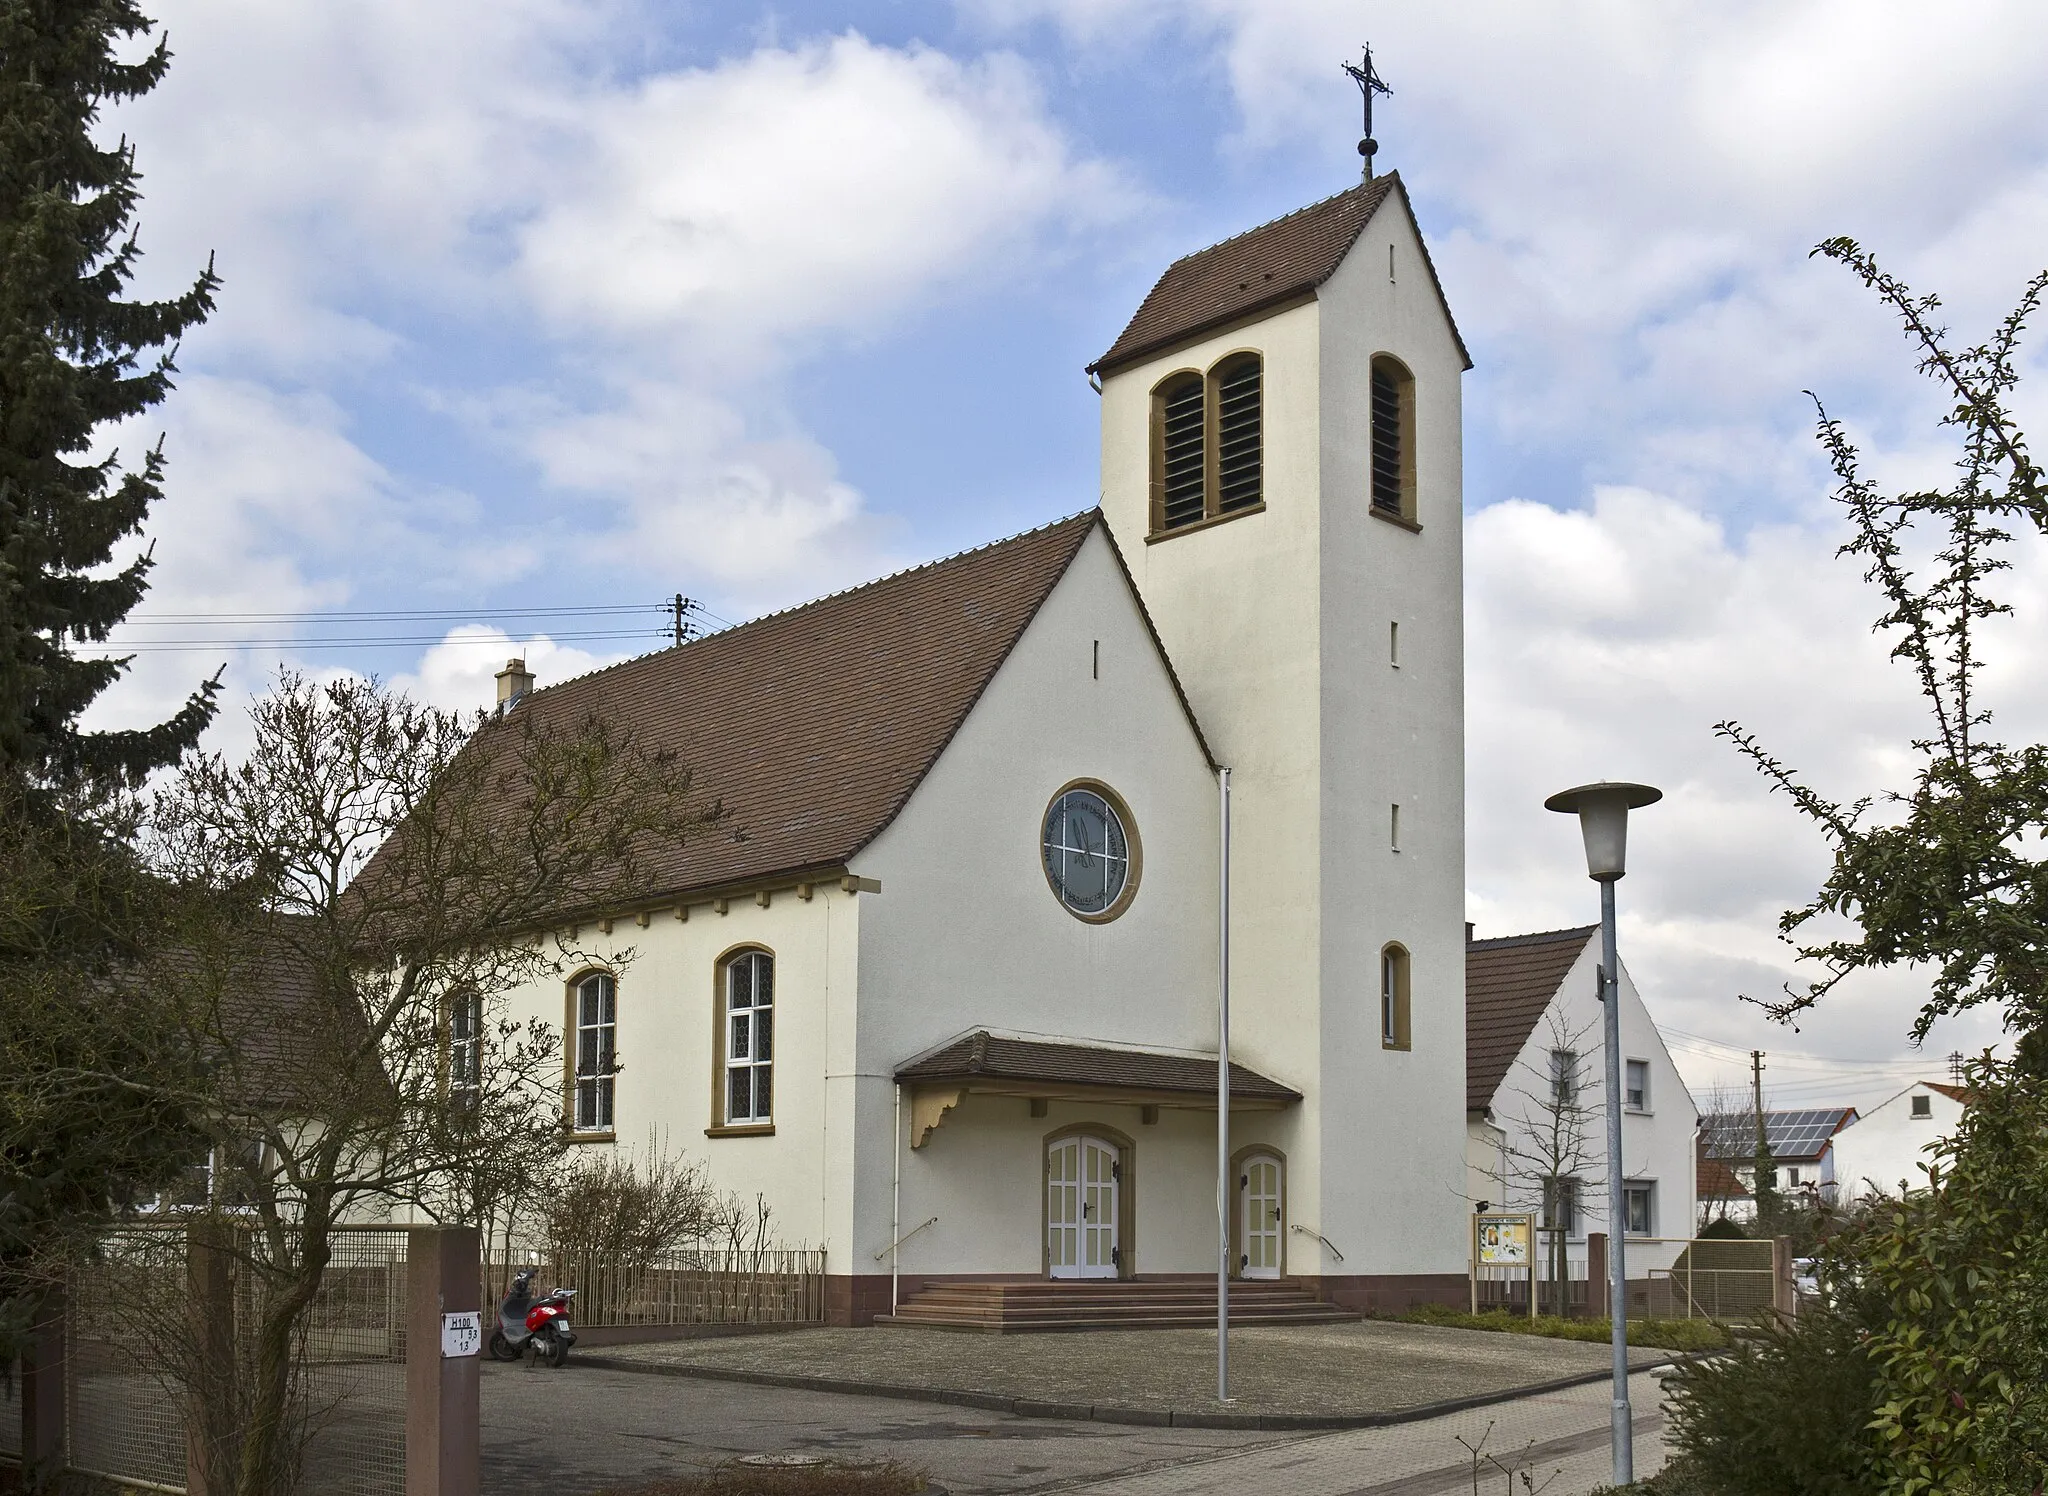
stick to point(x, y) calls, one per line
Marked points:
point(1025, 1407)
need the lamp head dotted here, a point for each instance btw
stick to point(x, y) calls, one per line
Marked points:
point(1603, 810)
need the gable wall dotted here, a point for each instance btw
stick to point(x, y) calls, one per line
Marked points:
point(1656, 1144)
point(1887, 1145)
point(966, 932)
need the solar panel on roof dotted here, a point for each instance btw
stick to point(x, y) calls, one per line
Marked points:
point(1795, 1134)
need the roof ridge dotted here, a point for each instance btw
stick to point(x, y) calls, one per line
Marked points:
point(820, 600)
point(1535, 936)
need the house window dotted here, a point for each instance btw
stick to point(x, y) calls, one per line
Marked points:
point(597, 1022)
point(1394, 998)
point(1393, 439)
point(465, 1048)
point(1208, 443)
point(1637, 1091)
point(749, 1039)
point(1792, 1174)
point(1639, 1207)
point(1923, 1106)
point(1564, 1076)
point(1561, 1205)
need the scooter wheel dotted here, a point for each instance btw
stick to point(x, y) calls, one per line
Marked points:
point(557, 1350)
point(501, 1348)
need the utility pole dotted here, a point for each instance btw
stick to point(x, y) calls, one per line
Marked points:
point(680, 606)
point(1765, 1191)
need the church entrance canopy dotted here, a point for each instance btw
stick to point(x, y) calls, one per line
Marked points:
point(1058, 1069)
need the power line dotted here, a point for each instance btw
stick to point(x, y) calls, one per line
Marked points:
point(395, 615)
point(368, 641)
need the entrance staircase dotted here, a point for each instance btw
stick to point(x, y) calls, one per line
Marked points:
point(1037, 1304)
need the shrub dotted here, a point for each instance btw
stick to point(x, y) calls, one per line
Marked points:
point(1659, 1334)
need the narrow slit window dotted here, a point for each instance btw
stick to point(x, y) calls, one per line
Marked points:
point(1394, 827)
point(1394, 645)
point(1240, 470)
point(1393, 439)
point(1183, 452)
point(1394, 998)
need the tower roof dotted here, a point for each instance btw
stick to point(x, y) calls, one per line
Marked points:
point(1255, 271)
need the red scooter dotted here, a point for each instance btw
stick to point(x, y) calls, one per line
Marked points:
point(526, 1321)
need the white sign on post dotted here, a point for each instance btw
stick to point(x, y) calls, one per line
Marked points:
point(462, 1334)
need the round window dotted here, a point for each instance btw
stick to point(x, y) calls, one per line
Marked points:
point(1090, 852)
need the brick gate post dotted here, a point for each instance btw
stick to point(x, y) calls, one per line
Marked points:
point(1597, 1302)
point(442, 1443)
point(210, 1389)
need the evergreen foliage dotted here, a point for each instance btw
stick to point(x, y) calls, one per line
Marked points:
point(75, 358)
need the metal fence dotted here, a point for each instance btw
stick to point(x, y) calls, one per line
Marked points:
point(711, 1286)
point(133, 1324)
point(1669, 1278)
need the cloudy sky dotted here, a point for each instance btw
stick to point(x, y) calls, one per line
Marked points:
point(543, 305)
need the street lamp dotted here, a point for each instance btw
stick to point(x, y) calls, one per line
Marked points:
point(1603, 810)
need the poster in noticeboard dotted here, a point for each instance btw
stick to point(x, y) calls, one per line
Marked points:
point(1502, 1240)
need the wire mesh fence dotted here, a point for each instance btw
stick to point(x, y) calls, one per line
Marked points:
point(1669, 1278)
point(686, 1287)
point(10, 1417)
point(152, 1332)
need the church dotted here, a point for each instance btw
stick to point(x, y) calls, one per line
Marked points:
point(945, 990)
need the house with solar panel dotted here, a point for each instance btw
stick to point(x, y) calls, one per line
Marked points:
point(1802, 1147)
point(945, 991)
point(1535, 1068)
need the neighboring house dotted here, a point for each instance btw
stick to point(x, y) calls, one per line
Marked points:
point(1535, 1073)
point(1802, 1151)
point(1722, 1194)
point(950, 976)
point(1884, 1151)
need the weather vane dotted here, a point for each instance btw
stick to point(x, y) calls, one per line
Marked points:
point(1369, 83)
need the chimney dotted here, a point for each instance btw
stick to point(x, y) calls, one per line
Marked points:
point(514, 681)
point(1468, 932)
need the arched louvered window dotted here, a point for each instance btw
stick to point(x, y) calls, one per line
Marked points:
point(1393, 439)
point(1239, 440)
point(1182, 451)
point(1208, 443)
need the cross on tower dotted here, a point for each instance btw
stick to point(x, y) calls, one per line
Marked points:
point(1369, 83)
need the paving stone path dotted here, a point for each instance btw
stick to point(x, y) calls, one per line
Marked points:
point(1355, 1370)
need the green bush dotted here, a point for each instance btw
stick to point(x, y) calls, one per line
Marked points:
point(1657, 1334)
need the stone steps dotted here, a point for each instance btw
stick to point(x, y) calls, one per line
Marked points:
point(1105, 1304)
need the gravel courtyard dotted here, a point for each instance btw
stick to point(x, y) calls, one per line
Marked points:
point(1344, 1370)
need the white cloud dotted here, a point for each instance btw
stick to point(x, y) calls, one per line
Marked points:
point(1605, 644)
point(791, 193)
point(460, 673)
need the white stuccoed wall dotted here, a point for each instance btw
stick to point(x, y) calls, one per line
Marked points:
point(1656, 1143)
point(1277, 623)
point(665, 1042)
point(967, 934)
point(1886, 1147)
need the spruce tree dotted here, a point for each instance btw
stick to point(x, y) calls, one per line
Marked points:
point(74, 358)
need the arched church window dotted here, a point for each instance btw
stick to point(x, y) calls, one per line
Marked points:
point(1240, 457)
point(1393, 439)
point(1180, 451)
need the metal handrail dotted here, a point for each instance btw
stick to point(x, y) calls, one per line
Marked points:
point(904, 1238)
point(1311, 1231)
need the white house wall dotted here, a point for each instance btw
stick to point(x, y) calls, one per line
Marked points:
point(967, 934)
point(1885, 1151)
point(1657, 1144)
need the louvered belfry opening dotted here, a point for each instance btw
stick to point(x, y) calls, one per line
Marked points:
point(1239, 456)
point(1387, 456)
point(1183, 456)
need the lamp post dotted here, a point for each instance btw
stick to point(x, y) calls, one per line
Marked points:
point(1603, 810)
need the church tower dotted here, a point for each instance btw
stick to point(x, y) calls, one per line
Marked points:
point(1281, 467)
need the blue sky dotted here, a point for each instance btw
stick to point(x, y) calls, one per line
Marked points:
point(545, 304)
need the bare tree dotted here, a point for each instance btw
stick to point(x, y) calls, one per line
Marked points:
point(1726, 1115)
point(359, 896)
point(1552, 1155)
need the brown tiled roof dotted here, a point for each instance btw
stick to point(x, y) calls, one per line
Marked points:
point(812, 726)
point(1963, 1094)
point(1260, 268)
point(991, 1057)
point(1508, 984)
point(1714, 1180)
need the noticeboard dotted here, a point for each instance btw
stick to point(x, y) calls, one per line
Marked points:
point(1503, 1240)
